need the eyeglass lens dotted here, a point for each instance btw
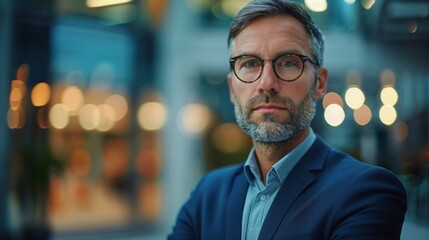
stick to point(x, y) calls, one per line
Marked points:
point(288, 67)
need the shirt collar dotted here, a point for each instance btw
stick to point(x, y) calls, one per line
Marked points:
point(284, 166)
point(251, 167)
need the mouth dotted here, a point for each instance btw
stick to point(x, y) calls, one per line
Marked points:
point(269, 108)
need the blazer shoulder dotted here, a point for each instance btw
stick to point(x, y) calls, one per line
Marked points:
point(358, 172)
point(368, 195)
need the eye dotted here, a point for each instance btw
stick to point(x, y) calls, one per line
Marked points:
point(287, 64)
point(289, 61)
point(248, 63)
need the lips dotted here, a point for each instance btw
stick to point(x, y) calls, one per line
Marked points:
point(269, 108)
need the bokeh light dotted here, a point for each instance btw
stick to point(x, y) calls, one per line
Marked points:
point(41, 94)
point(331, 98)
point(195, 118)
point(316, 5)
point(106, 123)
point(16, 118)
point(367, 4)
point(59, 116)
point(72, 98)
point(119, 105)
point(354, 97)
point(89, 117)
point(17, 93)
point(387, 114)
point(413, 27)
point(334, 115)
point(15, 98)
point(152, 116)
point(104, 3)
point(23, 72)
point(389, 96)
point(362, 115)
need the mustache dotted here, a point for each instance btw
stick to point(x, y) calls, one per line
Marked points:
point(269, 98)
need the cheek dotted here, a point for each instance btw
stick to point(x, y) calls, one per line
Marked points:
point(243, 92)
point(295, 91)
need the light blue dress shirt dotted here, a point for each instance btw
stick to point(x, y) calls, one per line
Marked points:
point(259, 196)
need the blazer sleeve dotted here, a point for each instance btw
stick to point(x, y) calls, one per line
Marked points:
point(206, 214)
point(374, 208)
point(186, 222)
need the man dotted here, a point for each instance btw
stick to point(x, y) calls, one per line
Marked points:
point(293, 185)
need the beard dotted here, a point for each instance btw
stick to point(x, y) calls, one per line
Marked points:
point(270, 130)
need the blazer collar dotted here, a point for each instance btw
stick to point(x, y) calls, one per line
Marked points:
point(300, 177)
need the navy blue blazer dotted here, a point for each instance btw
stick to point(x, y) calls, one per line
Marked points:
point(328, 195)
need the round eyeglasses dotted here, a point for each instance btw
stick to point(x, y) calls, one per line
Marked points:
point(288, 67)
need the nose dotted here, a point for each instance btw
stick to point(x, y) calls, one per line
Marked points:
point(268, 81)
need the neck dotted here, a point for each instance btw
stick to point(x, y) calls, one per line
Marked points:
point(269, 154)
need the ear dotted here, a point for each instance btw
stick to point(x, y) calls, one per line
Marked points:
point(321, 83)
point(231, 90)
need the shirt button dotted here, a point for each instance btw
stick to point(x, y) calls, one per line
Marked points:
point(263, 197)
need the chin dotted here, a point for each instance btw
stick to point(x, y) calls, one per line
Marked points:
point(266, 118)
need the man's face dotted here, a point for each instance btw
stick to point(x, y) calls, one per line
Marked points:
point(271, 110)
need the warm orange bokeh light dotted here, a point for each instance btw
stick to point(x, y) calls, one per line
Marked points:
point(41, 94)
point(23, 72)
point(17, 93)
point(16, 118)
point(362, 115)
point(332, 98)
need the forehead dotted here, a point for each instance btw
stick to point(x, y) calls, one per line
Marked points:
point(271, 35)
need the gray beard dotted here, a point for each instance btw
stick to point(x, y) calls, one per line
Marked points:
point(270, 131)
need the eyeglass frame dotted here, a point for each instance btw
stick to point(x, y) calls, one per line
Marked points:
point(262, 61)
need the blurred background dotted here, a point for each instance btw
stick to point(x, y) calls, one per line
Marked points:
point(111, 110)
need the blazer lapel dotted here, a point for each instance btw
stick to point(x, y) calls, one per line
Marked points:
point(300, 177)
point(235, 207)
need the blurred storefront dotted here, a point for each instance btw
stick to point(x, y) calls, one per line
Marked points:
point(112, 110)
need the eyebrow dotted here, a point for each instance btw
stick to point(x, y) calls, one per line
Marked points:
point(292, 50)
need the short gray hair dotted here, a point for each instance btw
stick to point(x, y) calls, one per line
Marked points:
point(266, 8)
